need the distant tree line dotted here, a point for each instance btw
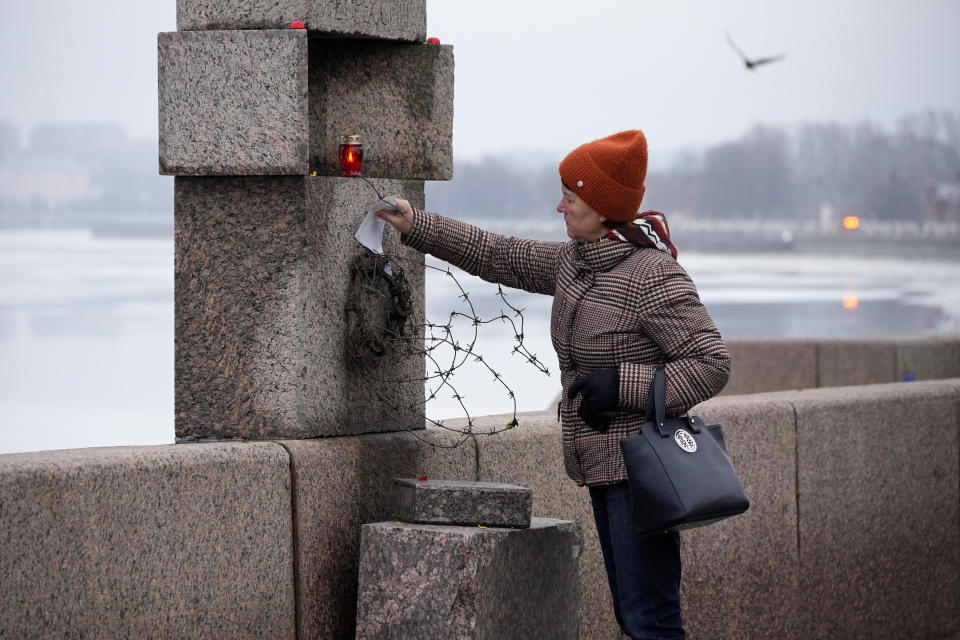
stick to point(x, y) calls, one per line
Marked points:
point(770, 172)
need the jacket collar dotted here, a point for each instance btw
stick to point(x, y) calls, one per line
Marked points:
point(602, 255)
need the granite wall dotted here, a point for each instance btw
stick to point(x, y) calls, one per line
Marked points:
point(853, 519)
point(853, 530)
point(178, 541)
point(761, 365)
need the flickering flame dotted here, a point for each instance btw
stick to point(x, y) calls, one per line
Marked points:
point(851, 222)
point(850, 302)
point(351, 159)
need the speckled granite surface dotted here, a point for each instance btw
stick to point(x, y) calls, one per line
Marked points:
point(393, 19)
point(755, 551)
point(741, 575)
point(878, 499)
point(434, 501)
point(398, 97)
point(437, 582)
point(262, 278)
point(147, 542)
point(233, 102)
point(849, 362)
point(530, 455)
point(761, 365)
point(929, 358)
point(340, 484)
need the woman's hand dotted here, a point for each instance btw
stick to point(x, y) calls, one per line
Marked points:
point(601, 395)
point(402, 219)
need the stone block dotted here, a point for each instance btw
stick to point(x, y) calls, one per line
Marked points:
point(263, 275)
point(760, 365)
point(492, 504)
point(844, 363)
point(176, 541)
point(740, 575)
point(233, 103)
point(394, 20)
point(929, 358)
point(435, 582)
point(244, 103)
point(878, 499)
point(398, 97)
point(340, 484)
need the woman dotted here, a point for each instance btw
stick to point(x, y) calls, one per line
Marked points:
point(622, 305)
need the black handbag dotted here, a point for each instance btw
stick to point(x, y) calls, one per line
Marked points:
point(678, 470)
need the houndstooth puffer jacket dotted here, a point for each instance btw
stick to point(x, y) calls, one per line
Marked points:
point(614, 305)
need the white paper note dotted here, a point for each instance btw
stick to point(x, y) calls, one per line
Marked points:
point(370, 233)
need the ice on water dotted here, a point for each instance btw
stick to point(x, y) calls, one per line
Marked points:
point(86, 327)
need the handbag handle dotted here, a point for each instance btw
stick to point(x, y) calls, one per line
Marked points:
point(657, 401)
point(657, 404)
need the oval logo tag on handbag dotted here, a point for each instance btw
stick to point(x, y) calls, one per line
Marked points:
point(685, 441)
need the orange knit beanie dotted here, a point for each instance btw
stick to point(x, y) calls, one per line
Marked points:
point(608, 174)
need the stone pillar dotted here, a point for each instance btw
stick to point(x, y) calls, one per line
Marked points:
point(251, 115)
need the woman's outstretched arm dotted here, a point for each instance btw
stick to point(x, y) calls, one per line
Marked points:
point(524, 264)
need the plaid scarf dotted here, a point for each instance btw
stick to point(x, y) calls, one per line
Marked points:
point(650, 229)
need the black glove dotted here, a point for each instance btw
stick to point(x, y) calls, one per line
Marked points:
point(600, 397)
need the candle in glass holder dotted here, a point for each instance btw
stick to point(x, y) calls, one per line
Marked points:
point(351, 155)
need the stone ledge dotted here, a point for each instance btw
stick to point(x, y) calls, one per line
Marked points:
point(492, 504)
point(394, 19)
point(166, 541)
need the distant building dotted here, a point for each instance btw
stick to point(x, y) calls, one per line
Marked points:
point(9, 140)
point(941, 202)
point(76, 140)
point(38, 184)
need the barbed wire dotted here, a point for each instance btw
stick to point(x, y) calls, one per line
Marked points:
point(400, 331)
point(417, 337)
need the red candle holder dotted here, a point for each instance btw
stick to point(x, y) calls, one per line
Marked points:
point(351, 156)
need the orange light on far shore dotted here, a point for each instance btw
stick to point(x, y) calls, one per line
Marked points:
point(851, 222)
point(850, 302)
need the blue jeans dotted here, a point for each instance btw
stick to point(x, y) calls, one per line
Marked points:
point(644, 572)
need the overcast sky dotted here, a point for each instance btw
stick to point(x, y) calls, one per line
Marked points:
point(548, 74)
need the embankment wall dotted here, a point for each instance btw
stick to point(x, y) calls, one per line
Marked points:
point(761, 365)
point(853, 530)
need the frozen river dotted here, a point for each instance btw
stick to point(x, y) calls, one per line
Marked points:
point(86, 328)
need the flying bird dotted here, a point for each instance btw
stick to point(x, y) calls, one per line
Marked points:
point(751, 64)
